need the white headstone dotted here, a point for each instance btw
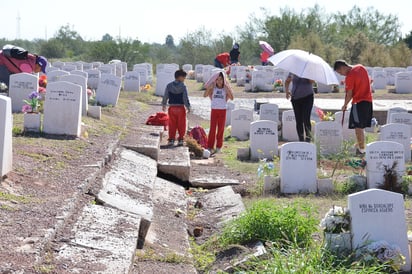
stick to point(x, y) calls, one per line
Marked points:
point(58, 64)
point(403, 82)
point(164, 77)
point(298, 168)
point(124, 68)
point(379, 79)
point(108, 90)
point(54, 76)
point(81, 81)
point(142, 70)
point(390, 75)
point(262, 80)
point(69, 68)
point(233, 72)
point(402, 118)
point(118, 69)
point(50, 69)
point(328, 134)
point(380, 154)
point(187, 67)
point(132, 81)
point(263, 140)
point(199, 73)
point(241, 76)
point(230, 106)
point(87, 66)
point(394, 110)
point(398, 133)
point(62, 109)
point(93, 78)
point(20, 87)
point(6, 138)
point(79, 72)
point(107, 69)
point(269, 112)
point(240, 121)
point(281, 74)
point(289, 132)
point(378, 215)
point(348, 134)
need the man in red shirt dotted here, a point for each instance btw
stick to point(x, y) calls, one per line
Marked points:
point(359, 91)
point(222, 60)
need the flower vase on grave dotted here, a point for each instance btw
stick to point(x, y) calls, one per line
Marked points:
point(32, 122)
point(338, 243)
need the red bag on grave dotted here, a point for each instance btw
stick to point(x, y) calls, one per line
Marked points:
point(199, 134)
point(158, 119)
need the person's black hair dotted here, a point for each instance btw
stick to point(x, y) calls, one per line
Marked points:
point(340, 63)
point(180, 73)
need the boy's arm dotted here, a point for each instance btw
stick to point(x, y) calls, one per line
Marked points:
point(186, 99)
point(165, 98)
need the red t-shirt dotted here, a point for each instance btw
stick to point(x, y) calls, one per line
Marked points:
point(358, 81)
point(224, 59)
point(264, 56)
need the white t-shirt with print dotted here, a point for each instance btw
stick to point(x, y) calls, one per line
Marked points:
point(219, 98)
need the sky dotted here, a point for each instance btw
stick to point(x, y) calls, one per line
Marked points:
point(152, 20)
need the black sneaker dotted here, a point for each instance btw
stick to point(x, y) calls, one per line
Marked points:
point(180, 143)
point(171, 143)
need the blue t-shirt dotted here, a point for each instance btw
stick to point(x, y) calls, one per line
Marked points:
point(301, 88)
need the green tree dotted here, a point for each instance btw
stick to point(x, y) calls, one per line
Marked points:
point(196, 47)
point(408, 39)
point(401, 55)
point(72, 41)
point(170, 41)
point(354, 47)
point(107, 37)
point(53, 48)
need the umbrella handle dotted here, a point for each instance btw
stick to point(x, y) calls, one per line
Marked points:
point(343, 117)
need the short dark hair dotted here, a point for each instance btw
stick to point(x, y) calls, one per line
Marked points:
point(180, 73)
point(340, 63)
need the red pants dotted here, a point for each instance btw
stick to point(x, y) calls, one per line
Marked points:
point(177, 122)
point(217, 120)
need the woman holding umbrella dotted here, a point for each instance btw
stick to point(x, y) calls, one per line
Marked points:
point(302, 99)
point(266, 53)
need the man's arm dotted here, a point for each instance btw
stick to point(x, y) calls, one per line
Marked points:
point(348, 98)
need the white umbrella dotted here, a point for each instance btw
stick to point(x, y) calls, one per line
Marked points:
point(305, 65)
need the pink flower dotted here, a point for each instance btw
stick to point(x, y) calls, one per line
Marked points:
point(27, 109)
point(320, 113)
point(42, 90)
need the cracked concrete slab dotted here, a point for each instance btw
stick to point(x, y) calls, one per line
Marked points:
point(145, 140)
point(175, 162)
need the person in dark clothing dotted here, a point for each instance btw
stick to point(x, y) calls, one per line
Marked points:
point(302, 102)
point(234, 54)
point(177, 98)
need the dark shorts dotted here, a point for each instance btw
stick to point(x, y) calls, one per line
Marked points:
point(4, 75)
point(361, 115)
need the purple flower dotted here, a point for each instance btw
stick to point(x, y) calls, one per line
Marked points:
point(27, 109)
point(34, 95)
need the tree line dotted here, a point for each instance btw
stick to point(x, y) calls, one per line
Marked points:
point(364, 36)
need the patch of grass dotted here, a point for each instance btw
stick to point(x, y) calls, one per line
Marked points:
point(14, 198)
point(203, 255)
point(8, 208)
point(17, 131)
point(36, 156)
point(229, 157)
point(169, 257)
point(60, 165)
point(269, 222)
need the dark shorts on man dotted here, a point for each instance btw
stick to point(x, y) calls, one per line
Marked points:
point(361, 115)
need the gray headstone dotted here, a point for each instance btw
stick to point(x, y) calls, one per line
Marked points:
point(263, 140)
point(240, 121)
point(81, 81)
point(187, 67)
point(54, 76)
point(230, 106)
point(379, 215)
point(379, 79)
point(132, 81)
point(164, 77)
point(394, 110)
point(79, 72)
point(403, 82)
point(269, 112)
point(289, 132)
point(398, 133)
point(20, 87)
point(6, 138)
point(108, 90)
point(69, 68)
point(348, 134)
point(298, 168)
point(328, 135)
point(63, 109)
point(93, 78)
point(380, 154)
point(402, 118)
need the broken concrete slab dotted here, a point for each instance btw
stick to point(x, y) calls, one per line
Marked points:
point(163, 268)
point(224, 203)
point(209, 182)
point(128, 186)
point(144, 140)
point(175, 162)
point(168, 228)
point(104, 241)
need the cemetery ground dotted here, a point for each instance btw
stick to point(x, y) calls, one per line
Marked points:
point(52, 175)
